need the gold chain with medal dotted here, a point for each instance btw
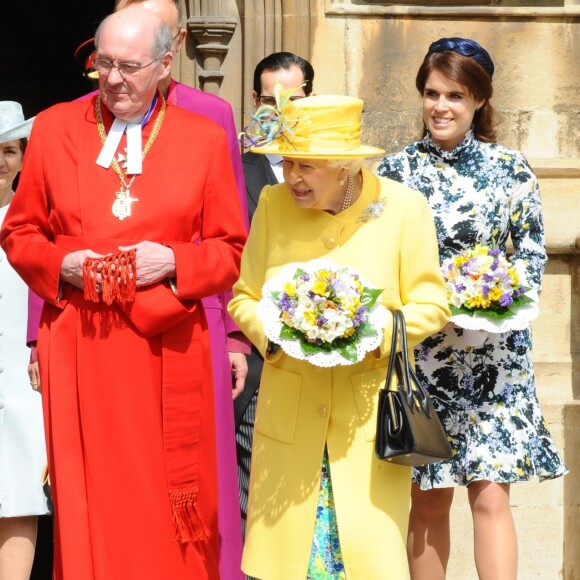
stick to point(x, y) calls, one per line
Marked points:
point(121, 207)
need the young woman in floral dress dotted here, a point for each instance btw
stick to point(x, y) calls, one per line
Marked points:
point(482, 383)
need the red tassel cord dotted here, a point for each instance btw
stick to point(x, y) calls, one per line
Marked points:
point(118, 278)
point(188, 525)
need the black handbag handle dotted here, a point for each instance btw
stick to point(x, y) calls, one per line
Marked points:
point(392, 356)
point(408, 380)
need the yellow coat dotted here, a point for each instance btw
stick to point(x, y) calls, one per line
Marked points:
point(302, 408)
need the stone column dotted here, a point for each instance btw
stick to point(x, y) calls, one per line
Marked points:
point(212, 35)
point(211, 57)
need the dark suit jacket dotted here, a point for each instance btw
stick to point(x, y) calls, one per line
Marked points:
point(257, 173)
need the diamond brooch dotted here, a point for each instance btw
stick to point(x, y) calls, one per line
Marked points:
point(373, 211)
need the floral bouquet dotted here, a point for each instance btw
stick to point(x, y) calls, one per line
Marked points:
point(322, 313)
point(485, 291)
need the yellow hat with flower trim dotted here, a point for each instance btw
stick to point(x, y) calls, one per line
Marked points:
point(317, 127)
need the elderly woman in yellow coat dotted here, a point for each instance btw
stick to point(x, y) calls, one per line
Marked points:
point(321, 504)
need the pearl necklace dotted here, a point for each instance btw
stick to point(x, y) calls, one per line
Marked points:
point(347, 201)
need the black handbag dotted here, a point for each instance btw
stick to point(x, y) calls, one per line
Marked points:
point(409, 431)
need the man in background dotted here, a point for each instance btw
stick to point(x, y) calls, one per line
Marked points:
point(291, 71)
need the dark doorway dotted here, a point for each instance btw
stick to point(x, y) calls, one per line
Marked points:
point(37, 49)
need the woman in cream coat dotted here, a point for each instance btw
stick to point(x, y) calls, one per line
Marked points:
point(22, 447)
point(321, 505)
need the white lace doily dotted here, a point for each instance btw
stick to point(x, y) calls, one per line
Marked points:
point(269, 314)
point(519, 321)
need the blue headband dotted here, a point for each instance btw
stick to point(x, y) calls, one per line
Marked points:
point(465, 47)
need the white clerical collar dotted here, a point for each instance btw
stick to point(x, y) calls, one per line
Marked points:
point(134, 142)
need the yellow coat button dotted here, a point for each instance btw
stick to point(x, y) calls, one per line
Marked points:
point(329, 242)
point(322, 411)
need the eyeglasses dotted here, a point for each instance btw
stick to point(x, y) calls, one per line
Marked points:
point(126, 69)
point(271, 101)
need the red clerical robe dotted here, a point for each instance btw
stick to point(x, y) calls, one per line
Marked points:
point(127, 390)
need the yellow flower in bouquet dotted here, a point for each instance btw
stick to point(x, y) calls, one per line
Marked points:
point(481, 281)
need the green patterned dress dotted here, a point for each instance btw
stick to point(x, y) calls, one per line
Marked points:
point(482, 383)
point(325, 557)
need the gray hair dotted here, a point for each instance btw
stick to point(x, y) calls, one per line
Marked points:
point(162, 38)
point(353, 165)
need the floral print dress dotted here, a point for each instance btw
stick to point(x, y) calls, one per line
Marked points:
point(325, 557)
point(482, 384)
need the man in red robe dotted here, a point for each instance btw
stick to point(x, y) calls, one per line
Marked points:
point(227, 343)
point(109, 199)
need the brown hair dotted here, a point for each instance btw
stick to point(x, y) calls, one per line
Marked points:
point(464, 71)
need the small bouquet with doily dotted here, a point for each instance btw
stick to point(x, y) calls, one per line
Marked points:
point(323, 313)
point(485, 291)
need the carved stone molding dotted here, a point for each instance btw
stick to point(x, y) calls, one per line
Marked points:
point(212, 35)
point(448, 10)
